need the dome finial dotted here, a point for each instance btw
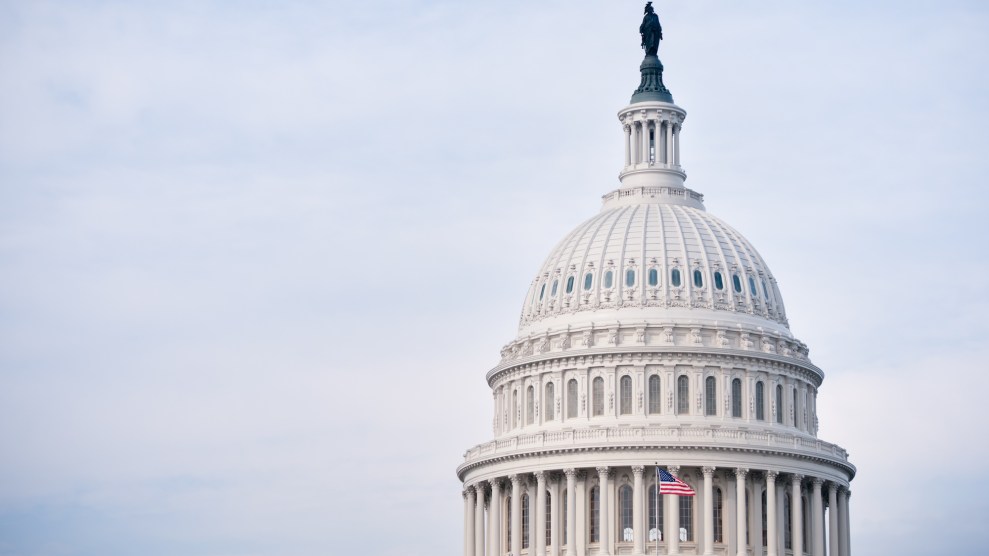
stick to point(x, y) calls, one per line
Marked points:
point(651, 87)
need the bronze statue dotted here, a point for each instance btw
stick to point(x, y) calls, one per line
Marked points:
point(650, 30)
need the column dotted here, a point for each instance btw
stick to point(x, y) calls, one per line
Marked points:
point(740, 510)
point(755, 519)
point(676, 145)
point(638, 529)
point(846, 543)
point(516, 526)
point(494, 516)
point(554, 515)
point(469, 521)
point(771, 541)
point(571, 511)
point(817, 510)
point(538, 533)
point(604, 486)
point(636, 143)
point(479, 521)
point(833, 542)
point(672, 512)
point(796, 521)
point(708, 510)
point(628, 145)
point(645, 141)
point(534, 531)
point(669, 142)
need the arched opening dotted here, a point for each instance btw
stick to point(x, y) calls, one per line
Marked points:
point(626, 395)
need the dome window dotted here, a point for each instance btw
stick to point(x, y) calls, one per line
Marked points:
point(765, 291)
point(542, 291)
point(698, 279)
point(552, 291)
point(737, 283)
point(653, 277)
point(675, 277)
point(630, 278)
point(609, 279)
point(588, 280)
point(570, 284)
point(752, 286)
point(719, 281)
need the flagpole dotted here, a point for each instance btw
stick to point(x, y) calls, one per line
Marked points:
point(657, 509)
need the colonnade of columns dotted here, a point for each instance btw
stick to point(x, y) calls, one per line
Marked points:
point(487, 523)
point(653, 142)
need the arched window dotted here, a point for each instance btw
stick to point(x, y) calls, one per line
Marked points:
point(698, 279)
point(525, 521)
point(630, 277)
point(687, 516)
point(655, 402)
point(572, 398)
point(683, 395)
point(655, 525)
point(549, 522)
point(552, 291)
point(765, 533)
point(542, 290)
point(719, 281)
point(624, 513)
point(597, 396)
point(626, 395)
point(588, 280)
point(752, 289)
point(736, 282)
point(609, 279)
point(595, 503)
point(765, 291)
point(529, 402)
point(570, 284)
point(736, 398)
point(787, 532)
point(719, 516)
point(515, 408)
point(796, 409)
point(675, 277)
point(760, 402)
point(653, 277)
point(563, 506)
point(549, 404)
point(710, 396)
point(507, 504)
point(779, 403)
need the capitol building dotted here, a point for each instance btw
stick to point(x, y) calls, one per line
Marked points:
point(654, 336)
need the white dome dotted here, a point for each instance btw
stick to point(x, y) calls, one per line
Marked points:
point(653, 255)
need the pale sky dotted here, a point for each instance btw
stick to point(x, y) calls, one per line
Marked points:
point(256, 257)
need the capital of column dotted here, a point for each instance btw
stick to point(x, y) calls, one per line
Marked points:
point(741, 472)
point(638, 470)
point(771, 476)
point(603, 471)
point(708, 471)
point(540, 476)
point(674, 470)
point(515, 479)
point(796, 479)
point(571, 473)
point(818, 482)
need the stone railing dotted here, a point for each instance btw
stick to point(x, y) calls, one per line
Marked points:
point(677, 436)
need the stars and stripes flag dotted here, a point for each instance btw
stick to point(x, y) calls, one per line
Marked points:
point(668, 484)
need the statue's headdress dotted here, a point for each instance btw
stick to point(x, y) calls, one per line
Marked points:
point(648, 9)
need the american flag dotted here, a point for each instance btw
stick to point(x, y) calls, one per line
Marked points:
point(668, 484)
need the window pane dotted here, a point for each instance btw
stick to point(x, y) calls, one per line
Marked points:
point(570, 284)
point(736, 398)
point(588, 278)
point(595, 512)
point(608, 278)
point(626, 395)
point(760, 411)
point(655, 525)
point(719, 281)
point(597, 395)
point(572, 398)
point(552, 290)
point(686, 518)
point(719, 508)
point(549, 522)
point(698, 279)
point(525, 521)
point(653, 277)
point(737, 283)
point(779, 404)
point(625, 513)
point(683, 395)
point(630, 278)
point(752, 287)
point(529, 395)
point(549, 404)
point(654, 399)
point(563, 506)
point(675, 277)
point(710, 396)
point(765, 291)
point(542, 290)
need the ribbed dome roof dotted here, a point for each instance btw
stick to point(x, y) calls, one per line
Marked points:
point(649, 258)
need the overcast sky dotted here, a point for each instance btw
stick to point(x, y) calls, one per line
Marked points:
point(256, 257)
